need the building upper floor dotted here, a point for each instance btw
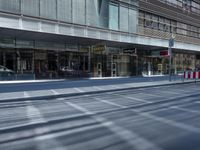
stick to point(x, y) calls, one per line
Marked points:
point(161, 18)
point(119, 15)
point(145, 22)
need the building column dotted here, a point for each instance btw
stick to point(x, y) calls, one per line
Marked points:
point(4, 58)
point(33, 62)
point(89, 59)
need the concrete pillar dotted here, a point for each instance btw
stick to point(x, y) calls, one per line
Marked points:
point(4, 58)
point(89, 59)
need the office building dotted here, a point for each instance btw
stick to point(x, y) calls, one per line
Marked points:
point(98, 38)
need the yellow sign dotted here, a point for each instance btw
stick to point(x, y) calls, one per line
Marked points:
point(99, 48)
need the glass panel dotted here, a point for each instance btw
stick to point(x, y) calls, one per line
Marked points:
point(10, 6)
point(92, 12)
point(113, 17)
point(48, 9)
point(78, 11)
point(64, 10)
point(123, 19)
point(103, 13)
point(133, 20)
point(30, 7)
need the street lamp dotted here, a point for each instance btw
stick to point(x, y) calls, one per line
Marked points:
point(171, 44)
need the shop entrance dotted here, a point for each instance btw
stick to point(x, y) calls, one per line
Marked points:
point(114, 65)
point(155, 66)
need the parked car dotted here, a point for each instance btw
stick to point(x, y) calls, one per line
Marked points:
point(5, 71)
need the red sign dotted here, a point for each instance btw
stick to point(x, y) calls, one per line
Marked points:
point(164, 53)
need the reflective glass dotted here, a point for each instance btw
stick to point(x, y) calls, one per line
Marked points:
point(64, 10)
point(113, 17)
point(30, 7)
point(78, 8)
point(123, 19)
point(48, 9)
point(10, 6)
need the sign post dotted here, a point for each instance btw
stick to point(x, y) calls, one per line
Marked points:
point(171, 44)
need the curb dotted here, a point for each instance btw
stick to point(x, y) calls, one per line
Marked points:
point(49, 97)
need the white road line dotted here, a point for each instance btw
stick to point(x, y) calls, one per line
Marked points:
point(35, 117)
point(97, 87)
point(115, 86)
point(78, 89)
point(54, 92)
point(34, 114)
point(87, 112)
point(134, 98)
point(152, 94)
point(185, 109)
point(169, 122)
point(130, 137)
point(26, 95)
point(110, 103)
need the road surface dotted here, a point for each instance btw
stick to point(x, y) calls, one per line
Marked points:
point(156, 118)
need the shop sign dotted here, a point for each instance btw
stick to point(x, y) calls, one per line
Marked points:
point(129, 51)
point(164, 53)
point(99, 48)
point(84, 49)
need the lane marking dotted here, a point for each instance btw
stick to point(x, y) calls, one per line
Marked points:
point(78, 89)
point(87, 112)
point(185, 109)
point(26, 95)
point(110, 103)
point(97, 87)
point(135, 140)
point(54, 92)
point(169, 122)
point(35, 116)
point(134, 98)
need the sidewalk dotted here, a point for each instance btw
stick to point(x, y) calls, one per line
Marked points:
point(73, 88)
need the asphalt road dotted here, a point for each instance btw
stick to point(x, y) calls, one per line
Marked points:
point(159, 118)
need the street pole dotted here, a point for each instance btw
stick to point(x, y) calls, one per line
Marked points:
point(170, 63)
point(171, 44)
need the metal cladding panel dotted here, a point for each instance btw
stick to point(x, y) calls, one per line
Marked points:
point(92, 33)
point(104, 35)
point(78, 31)
point(125, 38)
point(64, 29)
point(30, 25)
point(9, 22)
point(48, 27)
point(115, 37)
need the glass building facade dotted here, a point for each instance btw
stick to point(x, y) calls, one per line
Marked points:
point(93, 38)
